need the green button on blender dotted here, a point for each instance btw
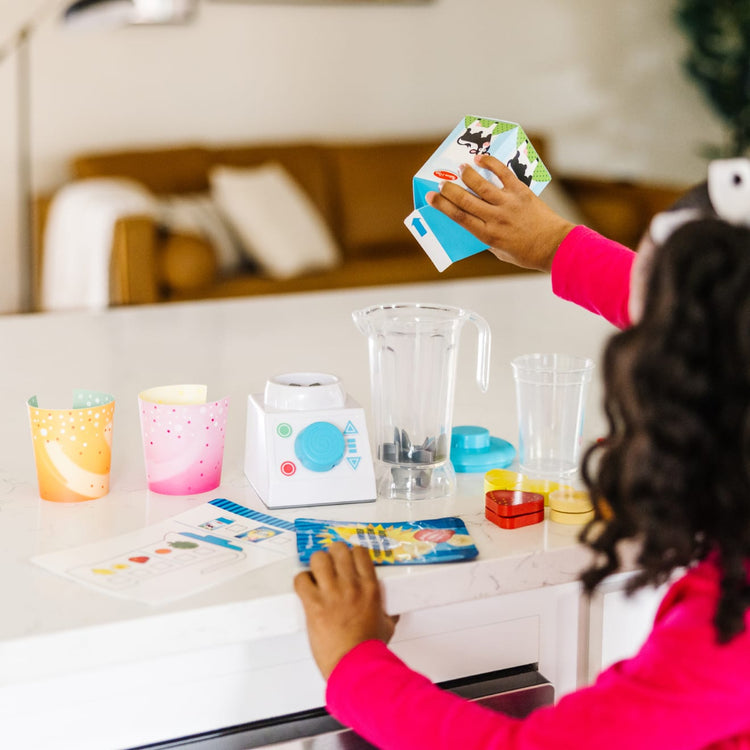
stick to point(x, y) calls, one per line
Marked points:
point(284, 429)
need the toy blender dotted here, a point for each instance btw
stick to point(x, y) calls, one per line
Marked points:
point(413, 352)
point(306, 443)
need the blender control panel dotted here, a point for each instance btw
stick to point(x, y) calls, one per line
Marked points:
point(322, 446)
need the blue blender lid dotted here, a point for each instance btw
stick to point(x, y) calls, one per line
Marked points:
point(473, 449)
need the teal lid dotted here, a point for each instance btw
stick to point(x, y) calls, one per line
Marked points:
point(473, 449)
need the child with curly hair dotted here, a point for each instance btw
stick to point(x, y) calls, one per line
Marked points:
point(673, 472)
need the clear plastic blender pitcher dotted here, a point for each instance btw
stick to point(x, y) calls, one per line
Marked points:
point(413, 357)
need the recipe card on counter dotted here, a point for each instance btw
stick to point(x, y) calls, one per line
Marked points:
point(183, 555)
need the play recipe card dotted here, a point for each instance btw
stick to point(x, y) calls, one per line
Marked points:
point(183, 555)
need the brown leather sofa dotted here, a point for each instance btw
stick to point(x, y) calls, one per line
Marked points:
point(363, 191)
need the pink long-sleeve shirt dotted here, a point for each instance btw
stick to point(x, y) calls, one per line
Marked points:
point(594, 272)
point(682, 691)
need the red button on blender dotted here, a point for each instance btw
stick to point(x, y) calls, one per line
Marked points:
point(288, 468)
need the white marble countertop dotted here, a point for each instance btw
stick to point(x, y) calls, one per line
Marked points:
point(51, 625)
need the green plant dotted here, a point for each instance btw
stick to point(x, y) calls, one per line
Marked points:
point(719, 62)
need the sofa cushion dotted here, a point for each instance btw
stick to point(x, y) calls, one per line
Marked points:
point(401, 264)
point(177, 170)
point(375, 192)
point(279, 226)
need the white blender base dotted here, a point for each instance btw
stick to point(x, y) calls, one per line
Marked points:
point(275, 467)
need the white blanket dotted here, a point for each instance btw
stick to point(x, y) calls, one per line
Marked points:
point(78, 240)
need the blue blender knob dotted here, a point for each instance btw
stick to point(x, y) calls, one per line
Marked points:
point(320, 446)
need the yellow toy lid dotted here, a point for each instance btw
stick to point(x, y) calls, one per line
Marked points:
point(568, 500)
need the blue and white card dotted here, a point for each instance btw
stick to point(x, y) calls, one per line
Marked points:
point(436, 540)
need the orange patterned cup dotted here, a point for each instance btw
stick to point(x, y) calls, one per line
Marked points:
point(73, 447)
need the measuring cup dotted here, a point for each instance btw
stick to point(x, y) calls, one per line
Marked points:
point(413, 355)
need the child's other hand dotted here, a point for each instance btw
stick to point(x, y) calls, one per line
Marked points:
point(343, 608)
point(516, 225)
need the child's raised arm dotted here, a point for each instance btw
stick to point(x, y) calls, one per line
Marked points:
point(521, 228)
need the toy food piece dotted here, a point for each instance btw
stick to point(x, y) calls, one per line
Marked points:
point(570, 506)
point(502, 479)
point(511, 509)
point(544, 487)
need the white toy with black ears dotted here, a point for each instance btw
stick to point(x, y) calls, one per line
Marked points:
point(725, 195)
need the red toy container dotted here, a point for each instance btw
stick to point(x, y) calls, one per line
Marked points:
point(511, 509)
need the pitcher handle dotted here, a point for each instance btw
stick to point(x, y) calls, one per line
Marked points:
point(483, 351)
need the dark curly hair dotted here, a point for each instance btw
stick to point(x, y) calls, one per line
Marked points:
point(673, 471)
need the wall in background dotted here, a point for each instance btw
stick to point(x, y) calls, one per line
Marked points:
point(602, 79)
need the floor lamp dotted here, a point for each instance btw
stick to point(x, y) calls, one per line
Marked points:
point(89, 14)
point(18, 45)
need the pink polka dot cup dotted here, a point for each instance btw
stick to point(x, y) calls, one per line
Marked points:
point(183, 439)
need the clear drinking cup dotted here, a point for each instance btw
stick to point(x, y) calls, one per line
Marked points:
point(550, 399)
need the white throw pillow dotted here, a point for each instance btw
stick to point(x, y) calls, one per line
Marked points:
point(279, 226)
